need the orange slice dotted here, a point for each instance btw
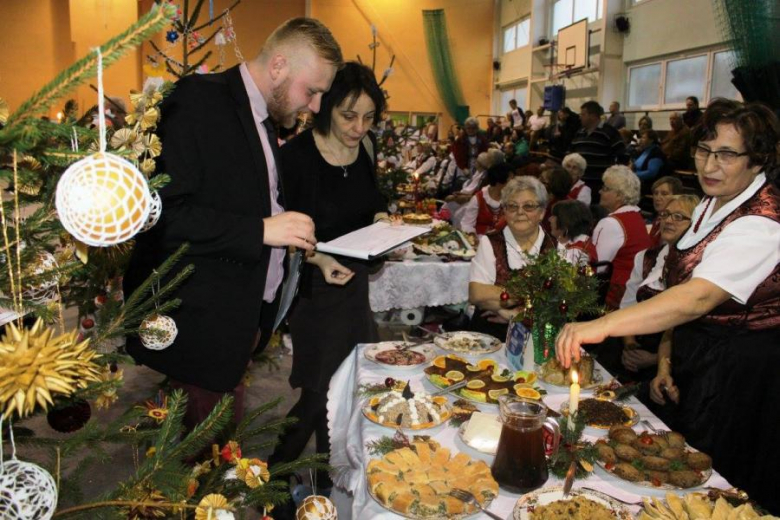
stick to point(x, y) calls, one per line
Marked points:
point(475, 384)
point(440, 362)
point(528, 393)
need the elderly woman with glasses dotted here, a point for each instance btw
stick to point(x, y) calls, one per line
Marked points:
point(622, 234)
point(576, 165)
point(523, 201)
point(640, 353)
point(663, 190)
point(723, 302)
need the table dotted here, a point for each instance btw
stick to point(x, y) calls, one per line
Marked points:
point(418, 283)
point(350, 430)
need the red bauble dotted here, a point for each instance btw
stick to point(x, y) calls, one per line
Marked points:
point(100, 300)
point(389, 382)
point(527, 323)
point(563, 307)
point(87, 323)
point(504, 296)
point(548, 283)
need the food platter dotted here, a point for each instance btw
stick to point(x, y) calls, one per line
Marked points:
point(533, 501)
point(434, 412)
point(415, 482)
point(469, 343)
point(553, 374)
point(700, 506)
point(645, 462)
point(486, 379)
point(399, 355)
point(632, 416)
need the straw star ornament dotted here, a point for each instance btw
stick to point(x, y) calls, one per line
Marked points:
point(36, 366)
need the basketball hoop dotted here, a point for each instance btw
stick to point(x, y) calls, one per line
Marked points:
point(558, 70)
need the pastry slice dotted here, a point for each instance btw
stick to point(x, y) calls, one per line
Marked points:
point(375, 479)
point(440, 487)
point(430, 503)
point(457, 463)
point(423, 452)
point(402, 502)
point(416, 476)
point(394, 457)
point(425, 490)
point(452, 506)
point(440, 457)
point(437, 474)
point(410, 457)
point(382, 466)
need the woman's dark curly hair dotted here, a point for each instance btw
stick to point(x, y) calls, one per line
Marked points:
point(756, 123)
point(574, 218)
point(350, 82)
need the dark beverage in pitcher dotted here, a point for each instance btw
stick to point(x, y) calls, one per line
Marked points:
point(520, 465)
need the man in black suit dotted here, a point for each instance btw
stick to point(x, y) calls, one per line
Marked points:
point(225, 199)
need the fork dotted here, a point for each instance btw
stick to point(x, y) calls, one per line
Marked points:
point(626, 502)
point(662, 433)
point(468, 498)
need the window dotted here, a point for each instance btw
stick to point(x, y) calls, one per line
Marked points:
point(643, 85)
point(566, 12)
point(517, 35)
point(667, 83)
point(721, 85)
point(516, 93)
point(686, 77)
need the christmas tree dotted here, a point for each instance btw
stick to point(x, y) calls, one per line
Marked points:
point(75, 198)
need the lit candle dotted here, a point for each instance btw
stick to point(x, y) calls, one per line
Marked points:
point(574, 398)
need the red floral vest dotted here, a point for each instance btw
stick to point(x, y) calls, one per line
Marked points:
point(651, 255)
point(587, 246)
point(636, 240)
point(655, 232)
point(498, 242)
point(575, 192)
point(488, 219)
point(762, 310)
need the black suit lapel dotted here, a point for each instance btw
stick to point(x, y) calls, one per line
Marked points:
point(244, 113)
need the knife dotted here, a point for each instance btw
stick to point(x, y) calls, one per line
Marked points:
point(569, 482)
point(451, 388)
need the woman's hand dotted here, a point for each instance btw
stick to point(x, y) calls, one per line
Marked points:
point(333, 272)
point(573, 335)
point(664, 382)
point(635, 359)
point(501, 315)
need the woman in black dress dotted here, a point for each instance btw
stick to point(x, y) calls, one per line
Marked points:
point(329, 174)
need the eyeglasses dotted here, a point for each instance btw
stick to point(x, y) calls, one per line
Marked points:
point(722, 157)
point(527, 207)
point(677, 217)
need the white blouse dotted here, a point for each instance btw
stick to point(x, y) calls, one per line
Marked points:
point(608, 236)
point(743, 255)
point(469, 221)
point(483, 266)
point(654, 279)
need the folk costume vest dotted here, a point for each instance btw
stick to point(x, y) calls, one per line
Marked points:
point(488, 219)
point(636, 240)
point(498, 242)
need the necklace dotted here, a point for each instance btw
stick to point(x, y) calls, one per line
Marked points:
point(333, 154)
point(701, 217)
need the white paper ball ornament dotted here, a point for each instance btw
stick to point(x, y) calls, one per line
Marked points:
point(103, 200)
point(158, 332)
point(45, 290)
point(27, 491)
point(155, 211)
point(316, 507)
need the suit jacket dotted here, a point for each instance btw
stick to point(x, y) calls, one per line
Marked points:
point(461, 150)
point(216, 202)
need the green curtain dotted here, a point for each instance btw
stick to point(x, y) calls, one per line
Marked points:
point(441, 63)
point(753, 27)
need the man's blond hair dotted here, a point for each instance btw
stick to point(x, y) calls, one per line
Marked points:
point(307, 31)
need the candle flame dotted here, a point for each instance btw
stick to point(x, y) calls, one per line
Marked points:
point(574, 378)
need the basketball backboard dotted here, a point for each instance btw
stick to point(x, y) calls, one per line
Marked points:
point(572, 46)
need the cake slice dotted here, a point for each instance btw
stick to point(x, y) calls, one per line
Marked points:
point(402, 502)
point(440, 457)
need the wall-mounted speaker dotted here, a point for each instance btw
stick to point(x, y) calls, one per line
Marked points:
point(496, 65)
point(622, 24)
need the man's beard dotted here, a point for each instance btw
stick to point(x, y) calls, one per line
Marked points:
point(279, 105)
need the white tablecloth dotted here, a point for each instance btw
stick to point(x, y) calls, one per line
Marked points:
point(350, 430)
point(416, 283)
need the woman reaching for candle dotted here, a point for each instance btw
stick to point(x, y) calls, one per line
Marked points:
point(723, 302)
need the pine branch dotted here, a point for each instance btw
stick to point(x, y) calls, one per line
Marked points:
point(193, 18)
point(204, 433)
point(288, 468)
point(199, 62)
point(254, 414)
point(145, 288)
point(86, 68)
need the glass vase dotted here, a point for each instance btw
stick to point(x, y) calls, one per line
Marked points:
point(544, 342)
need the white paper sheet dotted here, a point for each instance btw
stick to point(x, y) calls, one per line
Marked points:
point(372, 241)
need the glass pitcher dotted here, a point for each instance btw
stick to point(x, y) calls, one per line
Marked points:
point(520, 465)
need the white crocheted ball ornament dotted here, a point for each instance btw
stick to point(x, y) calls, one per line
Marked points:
point(316, 507)
point(103, 200)
point(155, 211)
point(27, 492)
point(158, 332)
point(44, 290)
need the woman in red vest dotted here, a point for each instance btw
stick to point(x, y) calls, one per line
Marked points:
point(570, 223)
point(622, 234)
point(723, 303)
point(523, 201)
point(576, 165)
point(483, 212)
